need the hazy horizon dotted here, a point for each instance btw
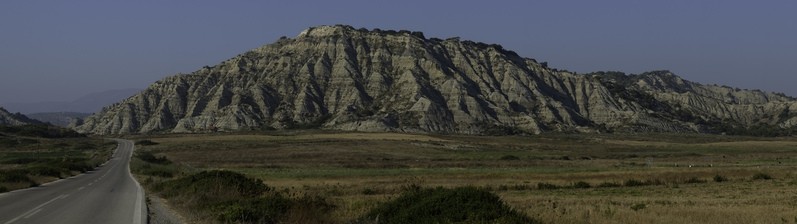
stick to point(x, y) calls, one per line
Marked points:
point(59, 51)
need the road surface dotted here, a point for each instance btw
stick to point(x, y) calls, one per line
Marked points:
point(107, 195)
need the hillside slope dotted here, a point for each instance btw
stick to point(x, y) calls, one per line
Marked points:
point(17, 119)
point(338, 77)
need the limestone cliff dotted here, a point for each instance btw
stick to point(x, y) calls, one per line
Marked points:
point(338, 77)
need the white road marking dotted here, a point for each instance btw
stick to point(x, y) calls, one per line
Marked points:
point(34, 210)
point(138, 215)
point(31, 214)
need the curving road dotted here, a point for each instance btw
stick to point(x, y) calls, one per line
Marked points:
point(108, 194)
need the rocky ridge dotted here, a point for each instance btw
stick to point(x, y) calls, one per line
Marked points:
point(15, 119)
point(338, 77)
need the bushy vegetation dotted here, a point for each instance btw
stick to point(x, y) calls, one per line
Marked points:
point(213, 186)
point(761, 176)
point(694, 180)
point(547, 186)
point(231, 197)
point(335, 165)
point(441, 205)
point(633, 183)
point(146, 142)
point(609, 184)
point(16, 176)
point(509, 157)
point(23, 165)
point(40, 130)
point(147, 156)
point(581, 184)
point(151, 165)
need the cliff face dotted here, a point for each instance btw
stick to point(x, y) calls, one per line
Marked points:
point(337, 77)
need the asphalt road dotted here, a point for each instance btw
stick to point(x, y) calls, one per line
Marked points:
point(107, 195)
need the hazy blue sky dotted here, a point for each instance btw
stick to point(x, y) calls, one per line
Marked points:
point(60, 50)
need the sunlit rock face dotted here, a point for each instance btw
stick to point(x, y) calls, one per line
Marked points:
point(338, 77)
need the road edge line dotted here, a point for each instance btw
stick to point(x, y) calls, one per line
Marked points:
point(139, 216)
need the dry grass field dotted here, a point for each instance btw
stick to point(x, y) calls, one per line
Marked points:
point(552, 178)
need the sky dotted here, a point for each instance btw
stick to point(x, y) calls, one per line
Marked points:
point(61, 50)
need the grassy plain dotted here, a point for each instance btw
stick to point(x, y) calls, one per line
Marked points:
point(587, 178)
point(28, 161)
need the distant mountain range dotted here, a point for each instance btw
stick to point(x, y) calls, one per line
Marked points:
point(90, 103)
point(342, 78)
point(62, 119)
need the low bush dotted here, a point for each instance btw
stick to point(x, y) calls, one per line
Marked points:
point(213, 186)
point(694, 180)
point(150, 158)
point(547, 186)
point(158, 172)
point(146, 142)
point(308, 209)
point(230, 197)
point(637, 207)
point(718, 178)
point(581, 184)
point(255, 210)
point(368, 191)
point(440, 205)
point(509, 157)
point(762, 176)
point(633, 183)
point(44, 170)
point(609, 184)
point(14, 176)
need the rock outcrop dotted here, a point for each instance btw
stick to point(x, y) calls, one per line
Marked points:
point(15, 119)
point(338, 77)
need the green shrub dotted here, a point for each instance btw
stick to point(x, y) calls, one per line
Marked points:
point(14, 176)
point(521, 187)
point(45, 171)
point(146, 142)
point(633, 183)
point(654, 182)
point(256, 210)
point(368, 191)
point(609, 184)
point(694, 180)
point(3, 189)
point(308, 209)
point(150, 158)
point(231, 197)
point(761, 176)
point(509, 157)
point(581, 184)
point(440, 205)
point(547, 186)
point(158, 172)
point(213, 186)
point(637, 207)
point(718, 178)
